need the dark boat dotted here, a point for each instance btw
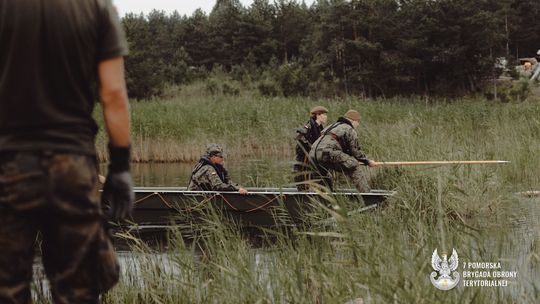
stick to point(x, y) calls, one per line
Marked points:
point(157, 207)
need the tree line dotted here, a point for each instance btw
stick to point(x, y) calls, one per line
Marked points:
point(333, 47)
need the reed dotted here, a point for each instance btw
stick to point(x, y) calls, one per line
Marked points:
point(380, 257)
point(179, 127)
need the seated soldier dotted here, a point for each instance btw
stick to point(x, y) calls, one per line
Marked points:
point(210, 175)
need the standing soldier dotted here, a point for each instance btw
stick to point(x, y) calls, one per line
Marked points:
point(52, 55)
point(305, 137)
point(337, 149)
point(210, 175)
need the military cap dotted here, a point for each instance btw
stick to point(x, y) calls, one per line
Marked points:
point(318, 110)
point(214, 150)
point(352, 115)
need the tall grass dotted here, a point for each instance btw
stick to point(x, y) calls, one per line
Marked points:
point(380, 257)
point(178, 128)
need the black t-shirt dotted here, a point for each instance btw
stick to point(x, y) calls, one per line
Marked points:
point(49, 54)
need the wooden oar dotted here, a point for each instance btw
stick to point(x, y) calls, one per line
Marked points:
point(441, 162)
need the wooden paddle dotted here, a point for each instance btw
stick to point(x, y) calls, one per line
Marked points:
point(441, 162)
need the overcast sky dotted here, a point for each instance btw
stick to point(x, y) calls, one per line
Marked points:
point(184, 7)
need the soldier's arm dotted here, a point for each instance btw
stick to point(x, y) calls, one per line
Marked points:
point(114, 100)
point(239, 188)
point(216, 182)
point(356, 150)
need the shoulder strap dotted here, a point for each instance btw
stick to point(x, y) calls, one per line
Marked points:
point(330, 128)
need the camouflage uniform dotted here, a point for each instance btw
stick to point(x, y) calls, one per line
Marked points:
point(56, 194)
point(338, 149)
point(211, 177)
point(305, 137)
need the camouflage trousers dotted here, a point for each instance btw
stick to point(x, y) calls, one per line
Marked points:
point(342, 162)
point(56, 195)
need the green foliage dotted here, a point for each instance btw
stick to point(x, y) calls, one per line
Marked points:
point(368, 48)
point(268, 87)
point(382, 256)
point(212, 87)
point(155, 58)
point(509, 91)
point(292, 79)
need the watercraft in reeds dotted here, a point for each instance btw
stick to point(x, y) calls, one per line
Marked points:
point(261, 207)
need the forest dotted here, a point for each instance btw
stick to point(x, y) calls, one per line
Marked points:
point(367, 48)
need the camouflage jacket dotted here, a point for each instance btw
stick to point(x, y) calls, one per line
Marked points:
point(305, 137)
point(340, 136)
point(208, 177)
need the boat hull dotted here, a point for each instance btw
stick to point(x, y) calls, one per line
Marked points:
point(262, 207)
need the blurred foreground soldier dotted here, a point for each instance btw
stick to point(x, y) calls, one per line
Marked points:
point(210, 175)
point(52, 55)
point(305, 137)
point(337, 149)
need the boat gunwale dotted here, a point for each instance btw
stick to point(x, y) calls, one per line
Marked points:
point(253, 191)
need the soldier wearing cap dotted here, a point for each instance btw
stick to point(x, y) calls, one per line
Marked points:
point(210, 175)
point(305, 137)
point(338, 149)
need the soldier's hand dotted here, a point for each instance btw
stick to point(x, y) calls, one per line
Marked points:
point(242, 191)
point(373, 163)
point(118, 193)
point(118, 188)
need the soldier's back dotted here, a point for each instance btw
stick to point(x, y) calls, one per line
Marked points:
point(48, 69)
point(332, 137)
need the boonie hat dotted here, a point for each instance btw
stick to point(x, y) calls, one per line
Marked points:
point(318, 110)
point(214, 150)
point(352, 115)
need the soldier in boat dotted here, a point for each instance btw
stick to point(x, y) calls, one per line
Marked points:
point(337, 149)
point(305, 137)
point(210, 175)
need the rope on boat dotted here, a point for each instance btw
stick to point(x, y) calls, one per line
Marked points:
point(206, 200)
point(263, 205)
point(144, 198)
point(200, 204)
point(227, 202)
point(164, 200)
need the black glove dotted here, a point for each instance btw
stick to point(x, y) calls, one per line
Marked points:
point(118, 188)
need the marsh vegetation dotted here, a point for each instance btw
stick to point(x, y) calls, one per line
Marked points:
point(383, 256)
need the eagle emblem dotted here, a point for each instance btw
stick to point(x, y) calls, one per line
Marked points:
point(444, 268)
